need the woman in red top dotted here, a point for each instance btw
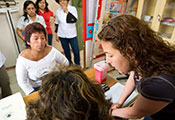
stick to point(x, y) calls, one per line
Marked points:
point(42, 9)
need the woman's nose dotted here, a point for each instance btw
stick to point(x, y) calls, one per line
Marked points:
point(39, 40)
point(108, 60)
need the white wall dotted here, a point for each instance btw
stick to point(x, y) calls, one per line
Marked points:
point(7, 44)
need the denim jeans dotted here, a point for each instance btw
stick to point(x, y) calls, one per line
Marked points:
point(36, 88)
point(74, 44)
point(50, 38)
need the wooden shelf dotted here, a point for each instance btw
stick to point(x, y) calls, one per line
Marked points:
point(159, 9)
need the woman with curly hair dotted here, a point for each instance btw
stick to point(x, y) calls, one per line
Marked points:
point(68, 94)
point(131, 46)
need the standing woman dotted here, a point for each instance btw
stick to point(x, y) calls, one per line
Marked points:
point(131, 46)
point(37, 60)
point(43, 10)
point(28, 17)
point(65, 22)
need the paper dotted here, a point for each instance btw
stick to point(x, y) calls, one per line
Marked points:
point(12, 108)
point(115, 91)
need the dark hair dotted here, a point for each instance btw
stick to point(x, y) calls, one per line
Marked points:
point(33, 28)
point(37, 6)
point(69, 95)
point(147, 52)
point(58, 1)
point(26, 4)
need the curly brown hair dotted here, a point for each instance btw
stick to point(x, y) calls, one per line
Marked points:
point(147, 52)
point(69, 95)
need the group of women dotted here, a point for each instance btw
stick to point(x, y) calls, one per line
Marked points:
point(35, 30)
point(130, 47)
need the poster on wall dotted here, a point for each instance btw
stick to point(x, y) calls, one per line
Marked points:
point(89, 8)
point(89, 11)
point(107, 9)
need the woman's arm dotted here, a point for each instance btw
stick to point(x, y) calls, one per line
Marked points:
point(128, 89)
point(22, 77)
point(52, 20)
point(19, 33)
point(60, 58)
point(141, 108)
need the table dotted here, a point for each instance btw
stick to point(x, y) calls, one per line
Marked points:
point(90, 74)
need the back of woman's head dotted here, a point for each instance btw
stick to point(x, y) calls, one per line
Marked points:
point(139, 44)
point(69, 95)
point(33, 28)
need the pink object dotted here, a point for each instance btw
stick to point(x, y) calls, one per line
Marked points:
point(168, 20)
point(101, 69)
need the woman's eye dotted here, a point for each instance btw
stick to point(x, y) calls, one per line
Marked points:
point(42, 37)
point(110, 56)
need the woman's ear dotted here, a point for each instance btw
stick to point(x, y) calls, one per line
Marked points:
point(132, 57)
point(130, 53)
point(28, 43)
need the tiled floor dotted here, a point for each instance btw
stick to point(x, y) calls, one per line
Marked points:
point(13, 83)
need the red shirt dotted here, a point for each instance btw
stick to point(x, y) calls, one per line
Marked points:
point(46, 15)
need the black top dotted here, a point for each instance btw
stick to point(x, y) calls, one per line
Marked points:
point(160, 88)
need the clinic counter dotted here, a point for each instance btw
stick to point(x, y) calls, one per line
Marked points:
point(90, 74)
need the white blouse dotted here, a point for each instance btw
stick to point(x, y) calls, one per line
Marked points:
point(22, 24)
point(66, 30)
point(29, 72)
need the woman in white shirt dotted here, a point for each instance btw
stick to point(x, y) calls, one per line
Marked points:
point(65, 23)
point(28, 17)
point(37, 60)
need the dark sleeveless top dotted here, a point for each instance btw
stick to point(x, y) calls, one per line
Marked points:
point(160, 88)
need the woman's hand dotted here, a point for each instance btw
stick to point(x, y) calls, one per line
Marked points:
point(64, 7)
point(57, 38)
point(114, 106)
point(52, 19)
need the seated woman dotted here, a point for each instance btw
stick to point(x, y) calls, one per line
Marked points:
point(28, 17)
point(68, 94)
point(37, 60)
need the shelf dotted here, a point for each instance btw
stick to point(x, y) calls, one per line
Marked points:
point(168, 39)
point(150, 21)
point(168, 23)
